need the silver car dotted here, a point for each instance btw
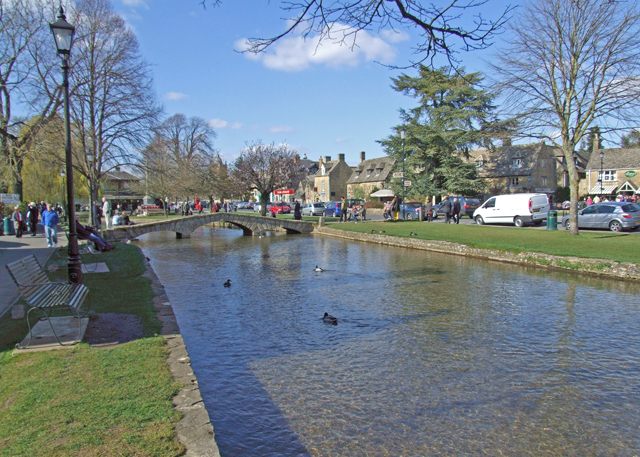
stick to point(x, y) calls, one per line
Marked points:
point(313, 209)
point(615, 216)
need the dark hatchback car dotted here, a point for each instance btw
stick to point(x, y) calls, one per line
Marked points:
point(467, 206)
point(615, 216)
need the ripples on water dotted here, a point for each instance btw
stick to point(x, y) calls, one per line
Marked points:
point(433, 355)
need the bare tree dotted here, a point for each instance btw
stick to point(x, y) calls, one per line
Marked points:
point(569, 65)
point(29, 81)
point(443, 29)
point(114, 105)
point(160, 171)
point(265, 168)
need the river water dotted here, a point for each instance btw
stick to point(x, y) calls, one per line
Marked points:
point(432, 355)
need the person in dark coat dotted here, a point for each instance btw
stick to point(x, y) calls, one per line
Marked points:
point(447, 208)
point(32, 218)
point(395, 207)
point(428, 208)
point(97, 215)
point(297, 212)
point(456, 210)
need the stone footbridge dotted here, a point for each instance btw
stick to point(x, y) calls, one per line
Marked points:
point(184, 226)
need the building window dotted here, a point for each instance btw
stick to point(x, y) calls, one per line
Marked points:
point(609, 175)
point(516, 163)
point(378, 171)
point(323, 187)
point(514, 181)
point(543, 180)
point(357, 174)
point(369, 172)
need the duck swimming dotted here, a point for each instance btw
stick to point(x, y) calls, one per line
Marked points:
point(329, 319)
point(318, 269)
point(228, 283)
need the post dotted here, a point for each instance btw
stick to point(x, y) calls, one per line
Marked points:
point(404, 208)
point(74, 266)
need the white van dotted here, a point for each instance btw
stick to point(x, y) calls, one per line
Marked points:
point(517, 209)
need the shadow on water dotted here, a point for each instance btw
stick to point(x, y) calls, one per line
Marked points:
point(432, 355)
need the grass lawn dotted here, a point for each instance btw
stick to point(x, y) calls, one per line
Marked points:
point(86, 401)
point(621, 247)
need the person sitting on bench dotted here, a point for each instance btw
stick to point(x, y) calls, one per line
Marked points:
point(86, 232)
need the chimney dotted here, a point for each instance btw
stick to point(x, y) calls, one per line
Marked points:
point(117, 167)
point(327, 158)
point(506, 142)
point(362, 159)
point(320, 162)
point(341, 157)
point(596, 142)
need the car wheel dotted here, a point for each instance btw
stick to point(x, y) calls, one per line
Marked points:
point(567, 225)
point(518, 222)
point(615, 226)
point(479, 220)
point(409, 217)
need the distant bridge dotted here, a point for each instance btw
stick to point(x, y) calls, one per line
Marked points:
point(184, 226)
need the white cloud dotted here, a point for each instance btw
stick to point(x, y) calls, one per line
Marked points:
point(175, 96)
point(222, 124)
point(393, 36)
point(336, 49)
point(280, 128)
point(136, 3)
point(341, 140)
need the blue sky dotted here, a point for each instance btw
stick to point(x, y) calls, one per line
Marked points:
point(321, 103)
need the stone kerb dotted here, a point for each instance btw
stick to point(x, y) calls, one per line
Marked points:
point(183, 227)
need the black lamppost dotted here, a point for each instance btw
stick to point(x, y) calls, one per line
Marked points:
point(90, 174)
point(64, 204)
point(601, 171)
point(403, 134)
point(63, 35)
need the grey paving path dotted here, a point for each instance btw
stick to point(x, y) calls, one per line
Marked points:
point(12, 249)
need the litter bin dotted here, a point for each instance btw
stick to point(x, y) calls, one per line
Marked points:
point(8, 226)
point(552, 220)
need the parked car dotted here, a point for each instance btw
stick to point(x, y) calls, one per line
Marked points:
point(257, 206)
point(332, 209)
point(280, 208)
point(467, 206)
point(313, 209)
point(615, 216)
point(517, 209)
point(411, 211)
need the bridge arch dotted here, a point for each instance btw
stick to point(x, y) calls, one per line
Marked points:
point(184, 226)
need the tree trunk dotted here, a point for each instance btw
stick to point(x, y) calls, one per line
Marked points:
point(16, 177)
point(573, 186)
point(263, 206)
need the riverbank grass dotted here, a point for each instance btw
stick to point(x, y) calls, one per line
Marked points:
point(86, 401)
point(618, 247)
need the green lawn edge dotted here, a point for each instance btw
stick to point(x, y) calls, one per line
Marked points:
point(617, 247)
point(87, 401)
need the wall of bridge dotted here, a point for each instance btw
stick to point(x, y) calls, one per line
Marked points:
point(184, 226)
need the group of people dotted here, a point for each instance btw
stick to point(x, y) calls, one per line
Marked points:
point(111, 218)
point(354, 212)
point(620, 198)
point(451, 210)
point(48, 215)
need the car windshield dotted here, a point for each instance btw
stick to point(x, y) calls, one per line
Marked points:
point(318, 205)
point(473, 201)
point(413, 205)
point(630, 208)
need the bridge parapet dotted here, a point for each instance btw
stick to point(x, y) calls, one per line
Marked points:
point(184, 226)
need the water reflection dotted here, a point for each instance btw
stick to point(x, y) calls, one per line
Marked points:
point(433, 355)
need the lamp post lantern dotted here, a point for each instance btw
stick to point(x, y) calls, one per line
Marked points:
point(403, 134)
point(601, 171)
point(63, 34)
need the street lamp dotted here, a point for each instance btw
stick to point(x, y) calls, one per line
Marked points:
point(63, 34)
point(601, 171)
point(64, 203)
point(403, 134)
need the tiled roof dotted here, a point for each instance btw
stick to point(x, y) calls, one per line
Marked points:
point(498, 162)
point(121, 176)
point(616, 159)
point(384, 164)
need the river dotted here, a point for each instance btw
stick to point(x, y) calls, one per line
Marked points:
point(432, 355)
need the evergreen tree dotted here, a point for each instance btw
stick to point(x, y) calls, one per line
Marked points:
point(452, 116)
point(631, 140)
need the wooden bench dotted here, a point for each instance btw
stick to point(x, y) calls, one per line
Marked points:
point(45, 296)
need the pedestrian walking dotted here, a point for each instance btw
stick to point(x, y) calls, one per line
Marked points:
point(18, 222)
point(589, 201)
point(395, 207)
point(50, 220)
point(97, 215)
point(354, 213)
point(106, 212)
point(387, 210)
point(297, 212)
point(447, 208)
point(344, 210)
point(363, 213)
point(456, 211)
point(428, 207)
point(32, 218)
